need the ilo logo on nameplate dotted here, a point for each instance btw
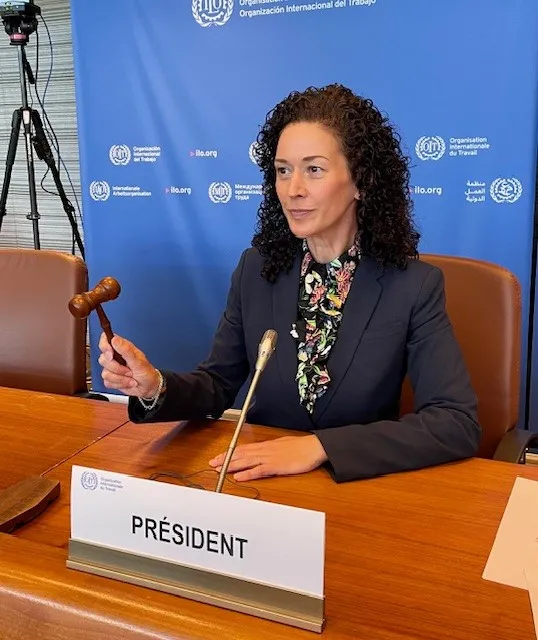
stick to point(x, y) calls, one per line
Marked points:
point(260, 542)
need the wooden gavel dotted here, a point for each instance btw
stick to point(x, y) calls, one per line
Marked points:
point(83, 304)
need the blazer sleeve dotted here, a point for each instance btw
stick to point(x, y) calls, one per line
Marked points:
point(212, 387)
point(444, 426)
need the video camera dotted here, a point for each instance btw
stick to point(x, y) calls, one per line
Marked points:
point(20, 19)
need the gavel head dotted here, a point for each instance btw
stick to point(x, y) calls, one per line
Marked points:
point(83, 304)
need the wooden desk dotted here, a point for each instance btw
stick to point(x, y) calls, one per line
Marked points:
point(39, 430)
point(405, 554)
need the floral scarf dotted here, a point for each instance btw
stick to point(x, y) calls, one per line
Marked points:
point(322, 294)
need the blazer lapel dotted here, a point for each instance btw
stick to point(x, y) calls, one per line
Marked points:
point(285, 308)
point(360, 304)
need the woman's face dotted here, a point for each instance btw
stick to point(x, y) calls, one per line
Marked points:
point(313, 182)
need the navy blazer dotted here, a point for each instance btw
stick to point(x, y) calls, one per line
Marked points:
point(394, 322)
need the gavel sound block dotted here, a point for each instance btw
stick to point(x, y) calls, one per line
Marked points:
point(83, 304)
point(25, 500)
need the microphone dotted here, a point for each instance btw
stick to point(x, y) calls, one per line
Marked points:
point(265, 351)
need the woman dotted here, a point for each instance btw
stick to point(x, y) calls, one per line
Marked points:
point(334, 270)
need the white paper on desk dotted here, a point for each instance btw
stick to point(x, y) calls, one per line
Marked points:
point(516, 543)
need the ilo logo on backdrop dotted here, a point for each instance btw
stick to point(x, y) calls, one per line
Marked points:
point(430, 148)
point(212, 13)
point(506, 190)
point(99, 190)
point(119, 154)
point(220, 192)
point(252, 152)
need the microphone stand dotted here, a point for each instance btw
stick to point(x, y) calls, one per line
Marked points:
point(267, 346)
point(237, 431)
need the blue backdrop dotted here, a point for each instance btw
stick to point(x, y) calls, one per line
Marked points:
point(171, 96)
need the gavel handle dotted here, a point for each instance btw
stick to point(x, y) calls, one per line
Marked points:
point(105, 325)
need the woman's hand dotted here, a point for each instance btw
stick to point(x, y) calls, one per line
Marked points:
point(138, 378)
point(284, 456)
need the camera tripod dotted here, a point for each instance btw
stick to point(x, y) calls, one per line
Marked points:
point(34, 134)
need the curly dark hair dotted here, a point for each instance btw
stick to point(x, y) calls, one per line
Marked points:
point(379, 169)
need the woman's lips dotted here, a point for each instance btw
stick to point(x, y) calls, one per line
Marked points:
point(299, 214)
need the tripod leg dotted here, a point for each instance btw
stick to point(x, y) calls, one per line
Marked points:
point(11, 153)
point(33, 215)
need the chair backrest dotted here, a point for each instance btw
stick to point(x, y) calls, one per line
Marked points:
point(42, 346)
point(483, 302)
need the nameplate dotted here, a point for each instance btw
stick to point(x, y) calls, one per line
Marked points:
point(261, 542)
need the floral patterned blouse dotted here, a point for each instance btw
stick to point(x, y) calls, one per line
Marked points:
point(322, 295)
